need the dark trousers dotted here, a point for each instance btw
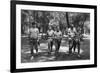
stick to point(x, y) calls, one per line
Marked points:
point(33, 45)
point(50, 44)
point(57, 45)
point(73, 44)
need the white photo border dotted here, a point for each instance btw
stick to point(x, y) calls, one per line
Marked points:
point(51, 64)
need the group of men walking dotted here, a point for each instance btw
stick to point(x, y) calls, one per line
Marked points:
point(54, 38)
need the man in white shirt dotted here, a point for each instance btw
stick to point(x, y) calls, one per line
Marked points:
point(78, 37)
point(75, 40)
point(50, 34)
point(33, 36)
point(58, 37)
point(72, 42)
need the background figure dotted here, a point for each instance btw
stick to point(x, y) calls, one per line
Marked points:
point(33, 36)
point(50, 34)
point(58, 37)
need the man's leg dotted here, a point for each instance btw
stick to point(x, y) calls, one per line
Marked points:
point(36, 48)
point(70, 46)
point(59, 42)
point(31, 46)
point(74, 44)
point(31, 49)
point(78, 44)
point(51, 46)
point(36, 45)
point(56, 45)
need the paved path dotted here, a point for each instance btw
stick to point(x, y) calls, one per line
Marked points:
point(43, 55)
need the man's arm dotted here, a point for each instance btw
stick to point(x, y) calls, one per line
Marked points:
point(61, 35)
point(47, 34)
point(29, 32)
point(38, 35)
point(37, 31)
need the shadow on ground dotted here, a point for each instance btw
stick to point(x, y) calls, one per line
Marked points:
point(43, 56)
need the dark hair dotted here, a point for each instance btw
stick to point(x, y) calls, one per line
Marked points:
point(33, 23)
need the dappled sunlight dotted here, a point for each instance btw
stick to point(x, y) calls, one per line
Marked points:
point(43, 48)
point(64, 25)
point(43, 56)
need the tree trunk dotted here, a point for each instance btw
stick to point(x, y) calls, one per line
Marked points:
point(67, 19)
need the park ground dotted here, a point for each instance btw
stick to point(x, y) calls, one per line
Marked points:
point(43, 56)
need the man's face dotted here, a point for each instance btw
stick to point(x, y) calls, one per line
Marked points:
point(34, 26)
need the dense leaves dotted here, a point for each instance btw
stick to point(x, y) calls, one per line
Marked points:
point(64, 20)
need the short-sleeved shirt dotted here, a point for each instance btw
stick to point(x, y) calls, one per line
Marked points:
point(78, 36)
point(50, 32)
point(71, 33)
point(58, 34)
point(34, 32)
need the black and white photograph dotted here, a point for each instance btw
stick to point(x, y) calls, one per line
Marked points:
point(54, 36)
point(50, 36)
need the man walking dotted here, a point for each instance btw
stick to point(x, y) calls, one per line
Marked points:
point(71, 35)
point(58, 37)
point(33, 36)
point(50, 34)
point(78, 38)
point(74, 41)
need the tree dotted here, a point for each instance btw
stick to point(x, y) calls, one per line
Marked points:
point(79, 20)
point(55, 18)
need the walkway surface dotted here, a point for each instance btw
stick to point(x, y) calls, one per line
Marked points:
point(43, 56)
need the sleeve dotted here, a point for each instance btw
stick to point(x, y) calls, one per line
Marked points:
point(47, 33)
point(37, 31)
point(29, 32)
point(54, 33)
point(60, 33)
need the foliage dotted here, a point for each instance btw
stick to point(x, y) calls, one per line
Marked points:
point(44, 19)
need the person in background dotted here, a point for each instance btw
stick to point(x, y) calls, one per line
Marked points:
point(50, 35)
point(33, 36)
point(58, 38)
